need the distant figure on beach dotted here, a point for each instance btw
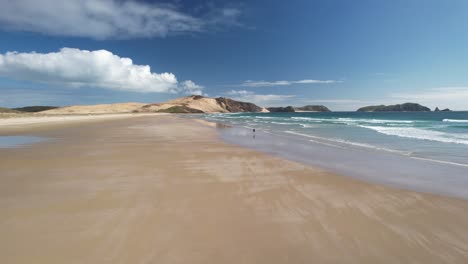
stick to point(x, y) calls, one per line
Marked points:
point(253, 130)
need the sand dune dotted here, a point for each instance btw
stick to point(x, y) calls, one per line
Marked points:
point(200, 103)
point(95, 109)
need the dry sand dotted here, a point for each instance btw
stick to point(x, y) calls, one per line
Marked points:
point(161, 189)
point(26, 122)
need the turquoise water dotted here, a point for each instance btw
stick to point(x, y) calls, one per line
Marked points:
point(437, 136)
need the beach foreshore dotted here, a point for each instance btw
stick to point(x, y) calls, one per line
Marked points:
point(165, 189)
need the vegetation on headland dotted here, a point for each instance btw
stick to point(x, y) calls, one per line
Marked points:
point(8, 110)
point(307, 108)
point(26, 109)
point(35, 108)
point(200, 104)
point(406, 107)
point(313, 108)
point(183, 109)
point(281, 109)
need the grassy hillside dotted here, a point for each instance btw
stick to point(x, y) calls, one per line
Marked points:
point(8, 110)
point(35, 108)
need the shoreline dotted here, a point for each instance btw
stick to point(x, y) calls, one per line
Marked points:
point(387, 168)
point(371, 162)
point(160, 188)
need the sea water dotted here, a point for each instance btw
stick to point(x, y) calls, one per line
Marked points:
point(425, 151)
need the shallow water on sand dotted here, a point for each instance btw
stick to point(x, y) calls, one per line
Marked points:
point(371, 165)
point(18, 141)
point(439, 136)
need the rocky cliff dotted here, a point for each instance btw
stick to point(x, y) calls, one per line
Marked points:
point(237, 106)
point(407, 107)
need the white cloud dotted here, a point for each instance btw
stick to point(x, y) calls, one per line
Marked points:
point(444, 97)
point(106, 19)
point(191, 88)
point(82, 68)
point(260, 99)
point(251, 83)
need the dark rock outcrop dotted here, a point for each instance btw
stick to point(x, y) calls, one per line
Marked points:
point(281, 109)
point(237, 106)
point(444, 110)
point(313, 108)
point(407, 107)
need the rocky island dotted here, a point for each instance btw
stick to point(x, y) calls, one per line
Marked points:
point(312, 108)
point(307, 108)
point(406, 107)
point(281, 109)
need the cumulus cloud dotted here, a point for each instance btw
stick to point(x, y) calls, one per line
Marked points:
point(251, 83)
point(191, 88)
point(260, 99)
point(83, 68)
point(108, 19)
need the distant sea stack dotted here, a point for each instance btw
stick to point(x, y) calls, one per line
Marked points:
point(445, 110)
point(313, 108)
point(407, 107)
point(281, 109)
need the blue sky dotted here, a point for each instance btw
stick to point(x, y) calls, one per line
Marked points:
point(343, 54)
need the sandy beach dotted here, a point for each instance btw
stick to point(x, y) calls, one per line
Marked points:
point(164, 189)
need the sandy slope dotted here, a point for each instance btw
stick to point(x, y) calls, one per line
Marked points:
point(207, 105)
point(160, 189)
point(96, 109)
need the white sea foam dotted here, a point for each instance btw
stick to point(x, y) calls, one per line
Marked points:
point(346, 120)
point(280, 123)
point(265, 117)
point(442, 161)
point(423, 134)
point(376, 121)
point(312, 119)
point(455, 120)
point(346, 142)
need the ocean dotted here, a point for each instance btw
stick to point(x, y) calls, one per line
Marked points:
point(414, 150)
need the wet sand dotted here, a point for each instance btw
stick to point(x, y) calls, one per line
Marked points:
point(162, 189)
